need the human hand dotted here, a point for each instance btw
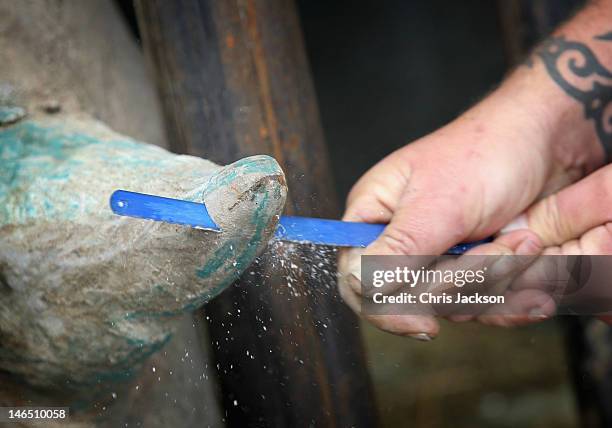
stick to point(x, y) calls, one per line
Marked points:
point(465, 182)
point(577, 220)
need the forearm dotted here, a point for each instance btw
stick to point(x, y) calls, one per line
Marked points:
point(566, 85)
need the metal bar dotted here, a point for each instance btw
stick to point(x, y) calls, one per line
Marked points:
point(234, 81)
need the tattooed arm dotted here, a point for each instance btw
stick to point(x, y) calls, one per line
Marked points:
point(577, 59)
point(543, 129)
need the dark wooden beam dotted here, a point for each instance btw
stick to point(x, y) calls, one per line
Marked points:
point(234, 81)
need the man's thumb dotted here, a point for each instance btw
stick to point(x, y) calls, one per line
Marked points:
point(423, 226)
point(571, 212)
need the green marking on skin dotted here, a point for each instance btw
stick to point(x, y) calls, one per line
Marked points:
point(32, 153)
point(38, 161)
point(264, 165)
point(137, 352)
point(221, 261)
point(261, 219)
point(11, 114)
point(127, 367)
point(39, 165)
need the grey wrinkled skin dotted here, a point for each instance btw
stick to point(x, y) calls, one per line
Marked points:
point(85, 295)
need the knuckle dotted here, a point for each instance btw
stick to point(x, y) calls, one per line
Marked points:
point(400, 240)
point(604, 187)
point(549, 223)
point(604, 241)
point(343, 287)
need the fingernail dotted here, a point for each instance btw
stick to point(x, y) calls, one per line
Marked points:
point(353, 271)
point(423, 337)
point(536, 314)
point(355, 283)
point(528, 247)
point(354, 262)
point(518, 223)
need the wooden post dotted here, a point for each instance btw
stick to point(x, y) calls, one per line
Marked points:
point(234, 81)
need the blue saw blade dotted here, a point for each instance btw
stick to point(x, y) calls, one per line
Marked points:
point(327, 232)
point(290, 228)
point(158, 208)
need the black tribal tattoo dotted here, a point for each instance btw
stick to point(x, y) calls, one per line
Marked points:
point(576, 69)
